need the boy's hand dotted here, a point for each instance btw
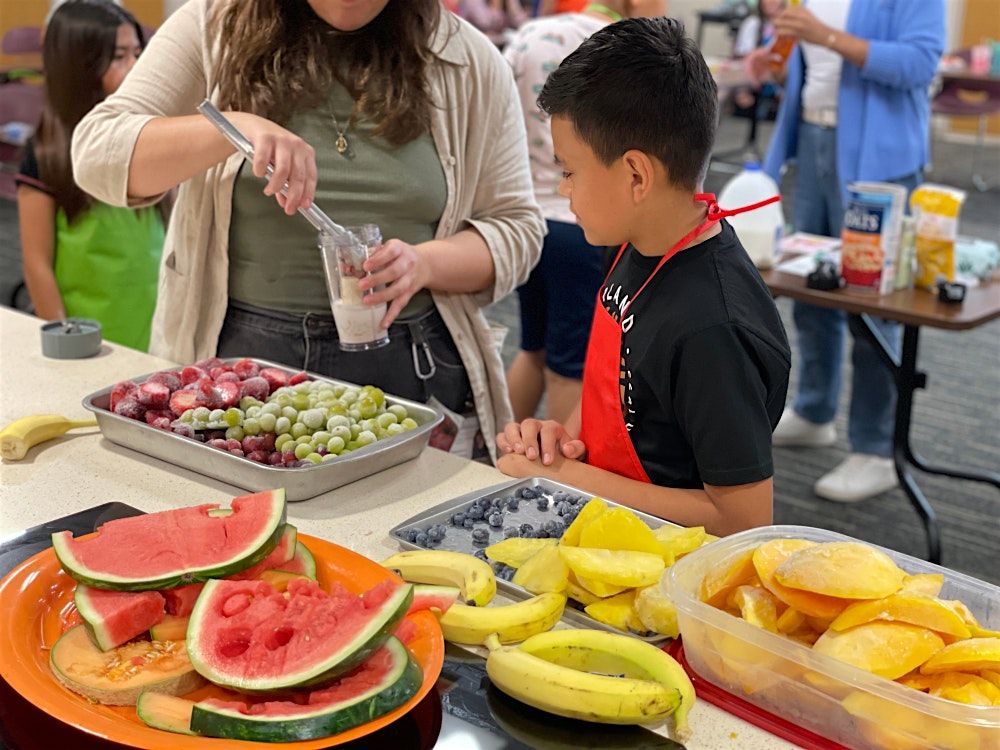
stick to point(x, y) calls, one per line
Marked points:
point(519, 466)
point(533, 437)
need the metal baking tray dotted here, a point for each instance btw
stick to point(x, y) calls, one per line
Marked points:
point(300, 483)
point(460, 539)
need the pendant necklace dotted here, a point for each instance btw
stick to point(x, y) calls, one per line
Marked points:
point(341, 135)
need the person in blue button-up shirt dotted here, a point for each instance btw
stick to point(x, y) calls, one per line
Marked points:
point(855, 107)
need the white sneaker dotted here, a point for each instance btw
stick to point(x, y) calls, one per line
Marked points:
point(796, 431)
point(859, 477)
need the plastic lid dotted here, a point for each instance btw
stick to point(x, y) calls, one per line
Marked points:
point(751, 166)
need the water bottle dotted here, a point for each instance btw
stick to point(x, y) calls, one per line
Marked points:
point(759, 230)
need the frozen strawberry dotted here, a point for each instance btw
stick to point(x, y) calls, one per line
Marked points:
point(276, 378)
point(169, 378)
point(181, 401)
point(192, 374)
point(161, 423)
point(216, 372)
point(210, 396)
point(221, 443)
point(258, 456)
point(183, 429)
point(131, 408)
point(230, 392)
point(153, 414)
point(123, 390)
point(154, 395)
point(232, 445)
point(208, 363)
point(246, 368)
point(299, 377)
point(255, 387)
point(228, 377)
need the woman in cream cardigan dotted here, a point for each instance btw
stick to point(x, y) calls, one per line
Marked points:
point(391, 112)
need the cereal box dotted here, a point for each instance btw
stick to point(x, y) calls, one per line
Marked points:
point(870, 235)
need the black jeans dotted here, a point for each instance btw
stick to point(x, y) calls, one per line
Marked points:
point(419, 361)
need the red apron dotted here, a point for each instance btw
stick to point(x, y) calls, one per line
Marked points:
point(603, 429)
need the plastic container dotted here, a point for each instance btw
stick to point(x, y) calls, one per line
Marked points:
point(358, 325)
point(815, 691)
point(760, 230)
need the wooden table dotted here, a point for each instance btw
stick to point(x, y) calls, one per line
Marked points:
point(913, 308)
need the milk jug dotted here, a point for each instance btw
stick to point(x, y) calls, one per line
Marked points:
point(760, 230)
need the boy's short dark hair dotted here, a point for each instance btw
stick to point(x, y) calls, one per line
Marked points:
point(639, 84)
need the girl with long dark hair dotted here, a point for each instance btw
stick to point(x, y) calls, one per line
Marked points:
point(85, 258)
point(389, 112)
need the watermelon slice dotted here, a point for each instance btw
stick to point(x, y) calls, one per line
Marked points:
point(280, 555)
point(115, 617)
point(246, 635)
point(385, 681)
point(180, 600)
point(302, 563)
point(175, 547)
point(440, 598)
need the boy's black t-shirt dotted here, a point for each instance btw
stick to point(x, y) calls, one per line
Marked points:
point(705, 364)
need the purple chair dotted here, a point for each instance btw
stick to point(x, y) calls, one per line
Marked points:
point(22, 40)
point(969, 95)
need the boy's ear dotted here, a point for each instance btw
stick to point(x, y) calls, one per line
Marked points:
point(642, 172)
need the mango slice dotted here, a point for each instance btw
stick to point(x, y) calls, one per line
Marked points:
point(967, 688)
point(888, 649)
point(790, 621)
point(916, 609)
point(757, 606)
point(618, 612)
point(768, 557)
point(720, 582)
point(847, 570)
point(656, 612)
point(543, 573)
point(990, 675)
point(677, 541)
point(923, 583)
point(594, 508)
point(516, 551)
point(887, 724)
point(970, 655)
point(617, 567)
point(620, 529)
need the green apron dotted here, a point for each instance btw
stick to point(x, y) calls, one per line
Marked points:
point(107, 267)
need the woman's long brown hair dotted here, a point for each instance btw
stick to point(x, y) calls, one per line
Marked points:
point(78, 48)
point(278, 57)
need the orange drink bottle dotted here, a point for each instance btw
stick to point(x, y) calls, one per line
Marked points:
point(781, 48)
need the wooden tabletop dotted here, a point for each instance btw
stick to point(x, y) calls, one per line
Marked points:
point(916, 307)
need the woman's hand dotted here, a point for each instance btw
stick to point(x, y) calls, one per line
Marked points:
point(533, 437)
point(758, 66)
point(293, 159)
point(800, 23)
point(402, 268)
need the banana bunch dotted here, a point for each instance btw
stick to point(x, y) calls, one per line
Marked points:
point(470, 574)
point(566, 672)
point(19, 436)
point(471, 626)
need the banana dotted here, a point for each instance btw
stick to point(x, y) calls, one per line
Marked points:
point(611, 653)
point(575, 694)
point(27, 432)
point(510, 622)
point(473, 576)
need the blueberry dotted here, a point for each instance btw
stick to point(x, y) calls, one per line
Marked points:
point(511, 531)
point(543, 503)
point(421, 539)
point(512, 504)
point(476, 514)
point(558, 527)
point(549, 526)
point(458, 519)
point(481, 554)
point(435, 534)
point(526, 529)
point(578, 500)
point(496, 520)
point(480, 536)
point(561, 507)
point(411, 535)
point(507, 572)
point(468, 523)
point(560, 497)
point(541, 534)
point(527, 493)
point(484, 502)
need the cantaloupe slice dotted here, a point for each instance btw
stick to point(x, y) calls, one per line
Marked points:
point(970, 655)
point(847, 570)
point(916, 609)
point(769, 556)
point(888, 649)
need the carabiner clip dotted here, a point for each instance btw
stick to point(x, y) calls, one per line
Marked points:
point(418, 339)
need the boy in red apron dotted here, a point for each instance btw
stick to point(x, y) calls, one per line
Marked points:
point(687, 367)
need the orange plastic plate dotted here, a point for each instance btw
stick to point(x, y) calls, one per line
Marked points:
point(36, 597)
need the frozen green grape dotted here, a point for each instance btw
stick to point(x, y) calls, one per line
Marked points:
point(409, 424)
point(329, 457)
point(355, 414)
point(299, 429)
point(300, 401)
point(304, 387)
point(283, 400)
point(399, 410)
point(343, 432)
point(201, 413)
point(302, 450)
point(234, 433)
point(353, 446)
point(337, 420)
point(338, 390)
point(254, 412)
point(251, 426)
point(304, 440)
point(282, 425)
point(282, 440)
point(315, 458)
point(368, 424)
point(355, 431)
point(314, 419)
point(336, 444)
point(337, 409)
point(271, 408)
point(233, 417)
point(376, 393)
point(385, 419)
point(395, 429)
point(216, 415)
point(247, 401)
point(368, 407)
point(267, 422)
point(321, 437)
point(291, 412)
point(187, 416)
point(366, 437)
point(350, 395)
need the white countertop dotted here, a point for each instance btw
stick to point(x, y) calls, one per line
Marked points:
point(82, 470)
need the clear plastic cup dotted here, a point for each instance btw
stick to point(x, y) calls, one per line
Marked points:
point(343, 259)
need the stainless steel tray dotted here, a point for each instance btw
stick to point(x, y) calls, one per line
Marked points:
point(300, 483)
point(460, 539)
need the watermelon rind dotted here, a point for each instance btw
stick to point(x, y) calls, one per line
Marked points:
point(401, 684)
point(253, 552)
point(367, 641)
point(302, 562)
point(166, 712)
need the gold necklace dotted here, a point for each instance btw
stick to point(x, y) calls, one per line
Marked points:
point(342, 144)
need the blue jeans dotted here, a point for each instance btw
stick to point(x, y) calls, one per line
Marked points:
point(818, 208)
